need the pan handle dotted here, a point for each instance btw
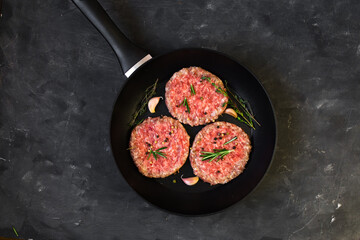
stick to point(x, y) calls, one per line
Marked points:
point(130, 56)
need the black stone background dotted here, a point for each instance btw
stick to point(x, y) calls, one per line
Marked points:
point(59, 79)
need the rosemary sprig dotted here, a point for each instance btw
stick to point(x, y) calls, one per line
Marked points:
point(217, 154)
point(241, 117)
point(149, 92)
point(192, 89)
point(156, 153)
point(218, 89)
point(185, 103)
point(15, 231)
point(233, 139)
point(244, 114)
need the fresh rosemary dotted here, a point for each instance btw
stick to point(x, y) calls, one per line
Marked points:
point(217, 154)
point(218, 89)
point(233, 139)
point(184, 103)
point(15, 231)
point(192, 89)
point(156, 153)
point(243, 113)
point(149, 92)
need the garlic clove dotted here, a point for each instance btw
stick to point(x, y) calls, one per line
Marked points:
point(153, 102)
point(190, 180)
point(231, 112)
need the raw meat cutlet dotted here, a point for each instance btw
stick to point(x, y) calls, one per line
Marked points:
point(159, 146)
point(192, 98)
point(220, 137)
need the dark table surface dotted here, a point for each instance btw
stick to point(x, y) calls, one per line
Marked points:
point(59, 79)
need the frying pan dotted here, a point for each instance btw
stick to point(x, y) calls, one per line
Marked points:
point(142, 71)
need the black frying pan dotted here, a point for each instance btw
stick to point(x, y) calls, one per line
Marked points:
point(171, 193)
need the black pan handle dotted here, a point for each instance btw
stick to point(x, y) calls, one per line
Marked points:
point(130, 56)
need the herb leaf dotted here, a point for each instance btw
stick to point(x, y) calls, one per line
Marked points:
point(234, 138)
point(185, 103)
point(161, 148)
point(234, 101)
point(192, 89)
point(15, 231)
point(156, 153)
point(205, 78)
point(217, 154)
point(244, 115)
point(218, 89)
point(149, 92)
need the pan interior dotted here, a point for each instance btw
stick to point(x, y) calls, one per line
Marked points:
point(171, 193)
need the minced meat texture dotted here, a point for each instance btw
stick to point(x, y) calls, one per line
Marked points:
point(215, 136)
point(194, 96)
point(163, 135)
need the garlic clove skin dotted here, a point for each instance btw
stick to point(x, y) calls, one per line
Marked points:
point(231, 112)
point(153, 102)
point(190, 180)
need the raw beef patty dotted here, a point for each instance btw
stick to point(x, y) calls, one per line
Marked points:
point(220, 136)
point(159, 146)
point(195, 96)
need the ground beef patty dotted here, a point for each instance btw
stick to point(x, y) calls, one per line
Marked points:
point(191, 96)
point(159, 146)
point(223, 136)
